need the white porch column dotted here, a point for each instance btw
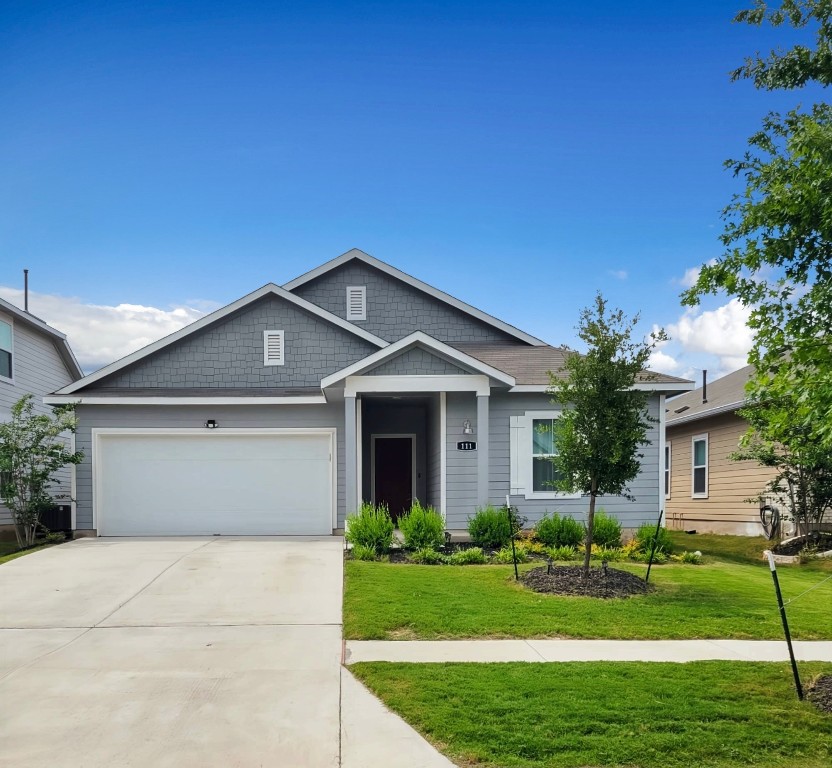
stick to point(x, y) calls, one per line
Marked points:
point(350, 455)
point(482, 449)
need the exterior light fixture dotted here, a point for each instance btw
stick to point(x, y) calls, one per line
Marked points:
point(211, 424)
point(467, 429)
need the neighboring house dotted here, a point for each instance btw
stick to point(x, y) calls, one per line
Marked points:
point(704, 489)
point(34, 359)
point(281, 412)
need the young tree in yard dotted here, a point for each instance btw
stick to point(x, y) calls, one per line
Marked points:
point(604, 420)
point(32, 449)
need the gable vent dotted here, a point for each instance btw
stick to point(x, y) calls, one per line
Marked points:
point(273, 348)
point(356, 302)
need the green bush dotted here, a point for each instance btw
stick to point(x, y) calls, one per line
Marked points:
point(556, 531)
point(427, 556)
point(645, 535)
point(562, 553)
point(691, 558)
point(490, 528)
point(607, 531)
point(659, 558)
point(372, 527)
point(472, 556)
point(363, 552)
point(607, 554)
point(572, 532)
point(422, 527)
point(505, 556)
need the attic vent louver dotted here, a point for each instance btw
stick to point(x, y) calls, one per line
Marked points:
point(273, 348)
point(356, 302)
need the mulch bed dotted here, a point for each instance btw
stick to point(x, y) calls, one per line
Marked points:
point(821, 693)
point(822, 542)
point(570, 580)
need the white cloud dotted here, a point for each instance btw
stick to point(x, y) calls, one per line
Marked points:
point(621, 274)
point(100, 334)
point(691, 275)
point(662, 362)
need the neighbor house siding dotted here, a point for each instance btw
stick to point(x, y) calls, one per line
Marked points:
point(396, 309)
point(230, 353)
point(37, 370)
point(176, 417)
point(730, 483)
point(416, 362)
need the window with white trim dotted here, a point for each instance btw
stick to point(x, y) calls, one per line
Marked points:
point(532, 447)
point(6, 350)
point(699, 467)
point(356, 302)
point(668, 455)
point(273, 348)
point(544, 449)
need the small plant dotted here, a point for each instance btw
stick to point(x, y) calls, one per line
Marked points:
point(427, 556)
point(422, 527)
point(659, 557)
point(472, 556)
point(607, 531)
point(55, 537)
point(372, 527)
point(647, 533)
point(691, 558)
point(490, 527)
point(506, 557)
point(363, 552)
point(562, 553)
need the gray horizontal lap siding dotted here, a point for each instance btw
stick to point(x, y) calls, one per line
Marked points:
point(230, 353)
point(178, 417)
point(461, 480)
point(416, 362)
point(38, 370)
point(395, 309)
point(631, 513)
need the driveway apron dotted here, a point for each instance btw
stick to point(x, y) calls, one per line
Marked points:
point(172, 652)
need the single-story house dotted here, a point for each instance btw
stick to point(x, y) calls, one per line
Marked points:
point(704, 489)
point(282, 412)
point(35, 359)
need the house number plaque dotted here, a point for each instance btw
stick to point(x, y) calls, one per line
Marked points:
point(466, 445)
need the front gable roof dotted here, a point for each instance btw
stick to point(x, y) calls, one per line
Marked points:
point(435, 293)
point(204, 322)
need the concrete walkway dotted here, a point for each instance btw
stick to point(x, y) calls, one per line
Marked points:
point(581, 650)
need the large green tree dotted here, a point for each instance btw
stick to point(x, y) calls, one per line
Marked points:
point(604, 419)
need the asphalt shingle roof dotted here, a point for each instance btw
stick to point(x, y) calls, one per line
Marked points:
point(722, 395)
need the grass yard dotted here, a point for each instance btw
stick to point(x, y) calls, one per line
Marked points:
point(640, 715)
point(729, 597)
point(9, 550)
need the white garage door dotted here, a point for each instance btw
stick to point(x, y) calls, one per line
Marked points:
point(219, 482)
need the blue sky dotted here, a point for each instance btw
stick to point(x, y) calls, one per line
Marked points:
point(172, 157)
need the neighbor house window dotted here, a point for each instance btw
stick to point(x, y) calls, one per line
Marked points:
point(5, 350)
point(667, 458)
point(699, 454)
point(544, 449)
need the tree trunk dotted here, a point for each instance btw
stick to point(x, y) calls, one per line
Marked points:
point(590, 525)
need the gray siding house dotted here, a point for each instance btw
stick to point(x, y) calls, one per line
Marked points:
point(282, 412)
point(35, 359)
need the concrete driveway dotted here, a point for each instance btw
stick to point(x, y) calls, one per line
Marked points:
point(172, 652)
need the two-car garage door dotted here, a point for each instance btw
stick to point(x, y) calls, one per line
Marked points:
point(188, 482)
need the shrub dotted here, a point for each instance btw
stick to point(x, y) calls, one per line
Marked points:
point(691, 558)
point(363, 552)
point(490, 527)
point(607, 530)
point(645, 535)
point(505, 556)
point(472, 556)
point(372, 527)
point(572, 532)
point(547, 530)
point(557, 531)
point(659, 557)
point(422, 527)
point(427, 556)
point(607, 554)
point(55, 537)
point(562, 553)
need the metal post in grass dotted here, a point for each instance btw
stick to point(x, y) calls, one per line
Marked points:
point(511, 531)
point(773, 567)
point(653, 546)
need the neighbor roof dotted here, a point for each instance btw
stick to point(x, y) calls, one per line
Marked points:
point(724, 395)
point(355, 253)
point(61, 344)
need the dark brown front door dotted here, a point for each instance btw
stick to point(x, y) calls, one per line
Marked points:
point(394, 473)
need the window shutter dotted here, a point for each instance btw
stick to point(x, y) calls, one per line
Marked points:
point(519, 453)
point(273, 351)
point(356, 302)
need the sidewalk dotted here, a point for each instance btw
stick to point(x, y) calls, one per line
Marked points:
point(582, 650)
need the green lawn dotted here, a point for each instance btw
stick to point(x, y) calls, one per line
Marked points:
point(729, 597)
point(640, 715)
point(9, 550)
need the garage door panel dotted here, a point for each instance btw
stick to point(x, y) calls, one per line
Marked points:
point(216, 483)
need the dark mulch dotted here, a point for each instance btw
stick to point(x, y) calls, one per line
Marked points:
point(821, 693)
point(822, 542)
point(569, 580)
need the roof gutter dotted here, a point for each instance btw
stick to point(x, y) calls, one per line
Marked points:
point(704, 414)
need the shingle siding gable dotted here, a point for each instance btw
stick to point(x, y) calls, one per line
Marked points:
point(395, 309)
point(230, 353)
point(416, 362)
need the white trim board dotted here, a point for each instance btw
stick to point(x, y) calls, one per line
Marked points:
point(644, 386)
point(356, 384)
point(203, 322)
point(417, 339)
point(413, 282)
point(243, 400)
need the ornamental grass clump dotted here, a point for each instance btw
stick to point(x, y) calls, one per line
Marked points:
point(506, 557)
point(371, 527)
point(422, 527)
point(471, 556)
point(490, 528)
